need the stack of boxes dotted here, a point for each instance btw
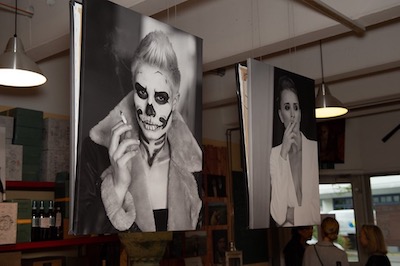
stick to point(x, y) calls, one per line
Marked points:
point(13, 152)
point(24, 220)
point(37, 149)
point(56, 148)
point(28, 130)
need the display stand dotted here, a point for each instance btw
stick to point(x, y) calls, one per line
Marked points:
point(144, 249)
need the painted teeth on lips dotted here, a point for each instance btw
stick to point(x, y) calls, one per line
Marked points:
point(150, 126)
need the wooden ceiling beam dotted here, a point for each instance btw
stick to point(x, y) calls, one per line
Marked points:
point(328, 11)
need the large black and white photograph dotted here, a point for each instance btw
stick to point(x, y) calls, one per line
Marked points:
point(138, 159)
point(294, 153)
point(282, 149)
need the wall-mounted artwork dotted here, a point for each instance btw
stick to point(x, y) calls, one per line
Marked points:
point(137, 122)
point(281, 151)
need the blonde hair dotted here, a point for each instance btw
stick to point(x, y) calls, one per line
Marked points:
point(330, 228)
point(155, 49)
point(376, 241)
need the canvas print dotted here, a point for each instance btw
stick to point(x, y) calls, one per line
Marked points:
point(283, 150)
point(138, 159)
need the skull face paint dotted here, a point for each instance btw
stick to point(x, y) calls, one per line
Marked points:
point(154, 101)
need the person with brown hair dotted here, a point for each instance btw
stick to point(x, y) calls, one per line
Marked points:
point(371, 238)
point(325, 253)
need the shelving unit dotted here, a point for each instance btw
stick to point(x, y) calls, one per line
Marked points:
point(30, 185)
point(92, 244)
point(54, 244)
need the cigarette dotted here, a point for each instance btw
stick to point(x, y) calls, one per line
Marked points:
point(123, 117)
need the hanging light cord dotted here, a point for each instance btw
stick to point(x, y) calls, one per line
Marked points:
point(322, 64)
point(15, 19)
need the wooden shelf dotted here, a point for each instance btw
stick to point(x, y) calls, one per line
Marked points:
point(77, 241)
point(30, 185)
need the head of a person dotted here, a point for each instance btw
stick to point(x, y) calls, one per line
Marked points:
point(288, 102)
point(156, 80)
point(371, 238)
point(330, 228)
point(302, 233)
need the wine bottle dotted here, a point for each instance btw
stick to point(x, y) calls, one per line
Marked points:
point(35, 229)
point(43, 222)
point(59, 223)
point(52, 221)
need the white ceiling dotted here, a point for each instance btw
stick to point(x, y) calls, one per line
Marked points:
point(361, 69)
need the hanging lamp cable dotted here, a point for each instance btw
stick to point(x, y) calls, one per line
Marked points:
point(322, 61)
point(15, 18)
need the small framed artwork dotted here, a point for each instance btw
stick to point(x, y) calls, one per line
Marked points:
point(216, 186)
point(234, 258)
point(217, 213)
point(220, 246)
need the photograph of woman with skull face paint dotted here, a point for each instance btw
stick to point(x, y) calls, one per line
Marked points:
point(139, 163)
point(149, 185)
point(294, 162)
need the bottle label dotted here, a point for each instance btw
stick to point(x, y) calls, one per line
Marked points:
point(58, 219)
point(52, 221)
point(44, 222)
point(35, 222)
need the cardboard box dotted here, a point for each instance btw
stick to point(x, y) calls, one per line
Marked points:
point(54, 161)
point(24, 221)
point(8, 123)
point(56, 135)
point(8, 216)
point(32, 155)
point(28, 136)
point(10, 258)
point(25, 117)
point(31, 172)
point(14, 162)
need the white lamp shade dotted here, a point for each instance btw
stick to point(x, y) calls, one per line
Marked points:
point(17, 69)
point(326, 105)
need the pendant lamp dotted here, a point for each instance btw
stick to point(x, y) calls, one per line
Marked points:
point(16, 68)
point(326, 105)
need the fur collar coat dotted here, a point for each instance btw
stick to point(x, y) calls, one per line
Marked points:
point(183, 199)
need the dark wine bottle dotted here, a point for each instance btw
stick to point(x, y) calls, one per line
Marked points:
point(52, 221)
point(43, 222)
point(59, 223)
point(35, 229)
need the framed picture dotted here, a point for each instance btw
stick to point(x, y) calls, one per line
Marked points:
point(217, 213)
point(234, 258)
point(216, 186)
point(220, 246)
